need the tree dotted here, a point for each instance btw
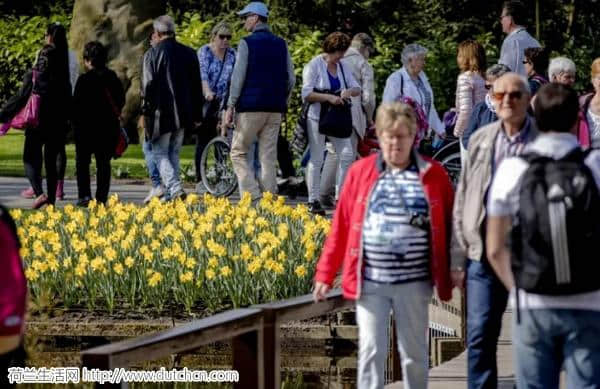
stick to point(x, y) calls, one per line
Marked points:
point(124, 27)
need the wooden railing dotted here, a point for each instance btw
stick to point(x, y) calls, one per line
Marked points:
point(254, 331)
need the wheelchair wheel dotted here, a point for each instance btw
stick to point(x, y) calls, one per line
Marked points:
point(449, 157)
point(216, 168)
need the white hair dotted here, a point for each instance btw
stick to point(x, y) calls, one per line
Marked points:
point(412, 50)
point(164, 24)
point(560, 65)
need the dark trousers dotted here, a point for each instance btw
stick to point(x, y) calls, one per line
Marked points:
point(102, 154)
point(486, 303)
point(37, 150)
point(206, 132)
point(14, 358)
point(61, 162)
point(284, 157)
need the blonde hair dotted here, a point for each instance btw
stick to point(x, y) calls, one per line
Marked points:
point(596, 67)
point(222, 26)
point(388, 114)
point(471, 57)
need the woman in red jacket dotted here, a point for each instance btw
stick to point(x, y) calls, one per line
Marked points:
point(391, 235)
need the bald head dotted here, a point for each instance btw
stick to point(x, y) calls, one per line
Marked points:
point(511, 98)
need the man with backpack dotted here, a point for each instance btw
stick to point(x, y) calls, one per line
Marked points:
point(486, 297)
point(546, 203)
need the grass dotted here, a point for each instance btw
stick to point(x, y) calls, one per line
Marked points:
point(130, 165)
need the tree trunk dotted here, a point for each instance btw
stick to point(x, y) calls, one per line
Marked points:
point(124, 27)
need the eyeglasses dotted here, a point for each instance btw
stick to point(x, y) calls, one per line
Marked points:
point(515, 95)
point(526, 61)
point(223, 37)
point(488, 86)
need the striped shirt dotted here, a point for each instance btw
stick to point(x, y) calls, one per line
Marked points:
point(396, 251)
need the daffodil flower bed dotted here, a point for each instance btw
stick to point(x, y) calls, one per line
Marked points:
point(201, 252)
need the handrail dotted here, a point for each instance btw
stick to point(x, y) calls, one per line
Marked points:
point(254, 331)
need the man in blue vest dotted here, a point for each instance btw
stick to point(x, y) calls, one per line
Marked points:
point(261, 83)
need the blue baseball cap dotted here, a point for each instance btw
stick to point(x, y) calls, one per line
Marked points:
point(256, 7)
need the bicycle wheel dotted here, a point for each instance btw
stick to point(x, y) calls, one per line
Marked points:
point(452, 165)
point(216, 168)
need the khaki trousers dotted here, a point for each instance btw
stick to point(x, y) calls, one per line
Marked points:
point(249, 127)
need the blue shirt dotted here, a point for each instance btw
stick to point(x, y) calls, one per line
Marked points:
point(482, 115)
point(210, 67)
point(334, 81)
point(395, 249)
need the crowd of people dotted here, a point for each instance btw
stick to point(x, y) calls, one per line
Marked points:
point(530, 174)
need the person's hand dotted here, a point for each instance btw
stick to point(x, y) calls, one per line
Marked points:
point(335, 100)
point(210, 96)
point(228, 119)
point(320, 291)
point(346, 94)
point(458, 278)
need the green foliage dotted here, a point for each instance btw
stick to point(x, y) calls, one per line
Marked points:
point(20, 40)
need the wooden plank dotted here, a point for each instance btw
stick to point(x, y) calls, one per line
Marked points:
point(179, 339)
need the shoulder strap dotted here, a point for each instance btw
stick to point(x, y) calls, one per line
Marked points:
point(401, 85)
point(116, 110)
point(343, 75)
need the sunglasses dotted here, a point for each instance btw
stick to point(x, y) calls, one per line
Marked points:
point(525, 62)
point(223, 37)
point(488, 86)
point(516, 95)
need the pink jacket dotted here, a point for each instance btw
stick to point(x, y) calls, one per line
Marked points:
point(583, 128)
point(343, 246)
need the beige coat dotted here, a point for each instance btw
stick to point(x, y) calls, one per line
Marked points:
point(363, 106)
point(469, 202)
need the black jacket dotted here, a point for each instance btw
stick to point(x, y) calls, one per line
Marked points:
point(54, 87)
point(94, 118)
point(172, 89)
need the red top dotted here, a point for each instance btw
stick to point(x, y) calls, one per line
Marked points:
point(13, 286)
point(343, 246)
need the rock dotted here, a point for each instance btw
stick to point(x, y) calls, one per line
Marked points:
point(124, 26)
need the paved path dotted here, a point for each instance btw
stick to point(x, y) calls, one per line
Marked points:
point(453, 374)
point(129, 191)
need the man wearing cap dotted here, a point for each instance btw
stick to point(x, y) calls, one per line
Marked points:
point(172, 93)
point(261, 83)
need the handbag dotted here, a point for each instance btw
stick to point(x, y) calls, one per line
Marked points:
point(122, 138)
point(29, 115)
point(300, 137)
point(336, 120)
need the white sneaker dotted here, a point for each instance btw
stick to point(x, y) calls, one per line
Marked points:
point(158, 191)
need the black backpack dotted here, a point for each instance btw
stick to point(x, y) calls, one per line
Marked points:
point(555, 240)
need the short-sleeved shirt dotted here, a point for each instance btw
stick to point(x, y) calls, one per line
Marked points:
point(210, 69)
point(395, 250)
point(504, 201)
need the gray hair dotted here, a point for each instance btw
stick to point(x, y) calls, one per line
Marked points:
point(560, 65)
point(164, 24)
point(521, 79)
point(411, 51)
point(497, 70)
point(362, 40)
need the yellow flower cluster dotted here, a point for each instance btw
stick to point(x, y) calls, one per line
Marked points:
point(202, 250)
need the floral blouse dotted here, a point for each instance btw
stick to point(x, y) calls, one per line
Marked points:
point(210, 68)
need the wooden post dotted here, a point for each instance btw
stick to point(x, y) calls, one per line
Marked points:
point(271, 349)
point(246, 351)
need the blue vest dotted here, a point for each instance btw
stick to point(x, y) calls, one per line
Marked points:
point(265, 86)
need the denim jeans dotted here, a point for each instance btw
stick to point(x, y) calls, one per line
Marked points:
point(410, 305)
point(486, 303)
point(166, 155)
point(547, 339)
point(151, 164)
